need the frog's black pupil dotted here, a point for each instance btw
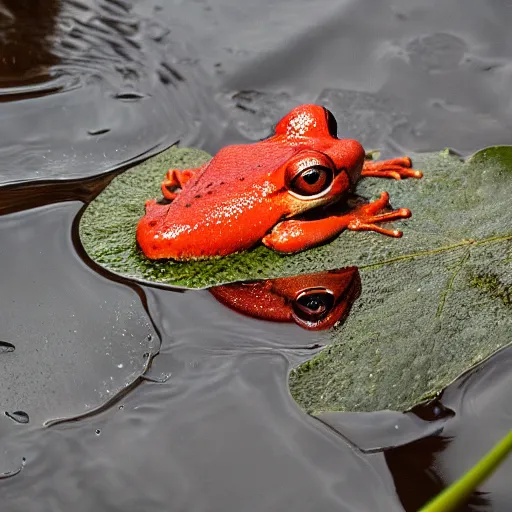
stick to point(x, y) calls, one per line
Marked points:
point(332, 125)
point(313, 304)
point(311, 176)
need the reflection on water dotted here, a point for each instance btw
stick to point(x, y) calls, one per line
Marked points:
point(89, 86)
point(26, 46)
point(418, 479)
point(480, 414)
point(313, 301)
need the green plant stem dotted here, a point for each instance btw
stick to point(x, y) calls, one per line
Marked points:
point(458, 492)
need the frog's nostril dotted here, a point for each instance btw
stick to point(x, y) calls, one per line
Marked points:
point(332, 125)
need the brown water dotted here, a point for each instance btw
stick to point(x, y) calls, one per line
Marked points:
point(88, 87)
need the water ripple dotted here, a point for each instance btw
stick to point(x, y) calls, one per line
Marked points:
point(101, 86)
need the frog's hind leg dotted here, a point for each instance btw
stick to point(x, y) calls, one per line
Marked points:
point(396, 168)
point(297, 235)
point(175, 180)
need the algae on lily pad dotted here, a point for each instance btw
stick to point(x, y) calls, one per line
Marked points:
point(434, 302)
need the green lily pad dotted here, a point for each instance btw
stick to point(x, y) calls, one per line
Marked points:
point(429, 314)
point(434, 302)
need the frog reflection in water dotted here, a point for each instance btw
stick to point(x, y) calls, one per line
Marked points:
point(249, 193)
point(313, 301)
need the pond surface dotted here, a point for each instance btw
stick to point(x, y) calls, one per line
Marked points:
point(118, 396)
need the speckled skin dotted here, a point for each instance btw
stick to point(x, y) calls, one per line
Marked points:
point(229, 204)
point(273, 299)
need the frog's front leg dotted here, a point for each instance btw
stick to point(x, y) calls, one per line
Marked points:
point(175, 180)
point(396, 168)
point(297, 235)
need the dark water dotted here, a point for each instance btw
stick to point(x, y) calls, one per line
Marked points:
point(86, 88)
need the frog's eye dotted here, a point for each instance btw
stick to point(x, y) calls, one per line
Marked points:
point(313, 305)
point(311, 181)
point(310, 176)
point(332, 124)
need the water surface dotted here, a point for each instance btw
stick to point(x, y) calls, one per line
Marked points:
point(88, 87)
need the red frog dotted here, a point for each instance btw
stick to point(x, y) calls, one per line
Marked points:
point(313, 301)
point(249, 193)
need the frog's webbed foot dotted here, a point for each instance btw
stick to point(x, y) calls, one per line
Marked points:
point(365, 217)
point(175, 180)
point(297, 235)
point(396, 168)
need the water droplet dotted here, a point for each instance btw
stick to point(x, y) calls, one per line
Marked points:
point(5, 347)
point(18, 416)
point(99, 131)
point(129, 96)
